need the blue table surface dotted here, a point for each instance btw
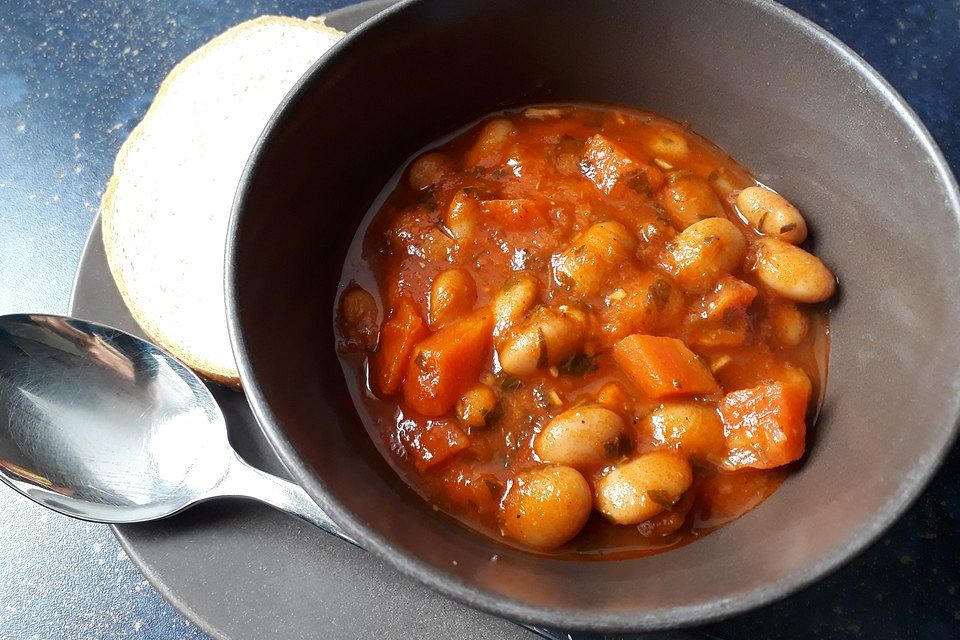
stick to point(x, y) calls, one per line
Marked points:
point(75, 77)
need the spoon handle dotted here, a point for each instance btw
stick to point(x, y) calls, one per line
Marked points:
point(244, 481)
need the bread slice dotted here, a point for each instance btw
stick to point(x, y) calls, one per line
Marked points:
point(166, 209)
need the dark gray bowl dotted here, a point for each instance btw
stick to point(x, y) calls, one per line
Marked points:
point(786, 99)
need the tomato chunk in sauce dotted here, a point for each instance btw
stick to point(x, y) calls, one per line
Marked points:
point(585, 330)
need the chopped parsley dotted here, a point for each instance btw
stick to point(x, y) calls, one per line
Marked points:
point(661, 498)
point(577, 366)
point(511, 384)
point(659, 293)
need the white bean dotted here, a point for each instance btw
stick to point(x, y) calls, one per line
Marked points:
point(642, 488)
point(667, 143)
point(546, 507)
point(579, 437)
point(694, 429)
point(547, 339)
point(452, 295)
point(792, 273)
point(583, 268)
point(706, 250)
point(488, 150)
point(476, 405)
point(463, 216)
point(787, 323)
point(358, 319)
point(690, 199)
point(772, 215)
point(514, 301)
point(429, 169)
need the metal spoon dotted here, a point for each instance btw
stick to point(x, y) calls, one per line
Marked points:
point(103, 426)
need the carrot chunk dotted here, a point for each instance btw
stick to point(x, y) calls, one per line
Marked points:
point(606, 164)
point(399, 335)
point(447, 363)
point(764, 426)
point(519, 215)
point(663, 367)
point(430, 442)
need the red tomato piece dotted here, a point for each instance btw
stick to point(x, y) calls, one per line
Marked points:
point(730, 297)
point(431, 442)
point(720, 319)
point(607, 165)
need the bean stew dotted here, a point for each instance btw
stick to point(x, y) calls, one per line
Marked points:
point(585, 330)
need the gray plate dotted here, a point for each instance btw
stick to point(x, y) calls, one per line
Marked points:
point(241, 571)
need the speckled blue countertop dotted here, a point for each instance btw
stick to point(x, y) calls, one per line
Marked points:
point(75, 77)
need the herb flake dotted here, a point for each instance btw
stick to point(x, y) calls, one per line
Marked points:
point(660, 498)
point(618, 447)
point(659, 293)
point(543, 359)
point(428, 198)
point(420, 361)
point(662, 216)
point(611, 449)
point(511, 384)
point(638, 182)
point(494, 486)
point(578, 366)
point(763, 220)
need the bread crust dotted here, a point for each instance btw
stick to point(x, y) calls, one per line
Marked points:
point(154, 323)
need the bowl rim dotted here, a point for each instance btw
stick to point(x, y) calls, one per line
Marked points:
point(655, 619)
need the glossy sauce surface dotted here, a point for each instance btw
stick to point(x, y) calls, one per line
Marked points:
point(503, 317)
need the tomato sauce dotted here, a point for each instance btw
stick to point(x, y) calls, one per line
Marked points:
point(570, 328)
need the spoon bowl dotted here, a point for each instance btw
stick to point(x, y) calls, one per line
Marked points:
point(100, 425)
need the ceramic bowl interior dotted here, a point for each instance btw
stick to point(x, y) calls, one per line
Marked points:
point(785, 99)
